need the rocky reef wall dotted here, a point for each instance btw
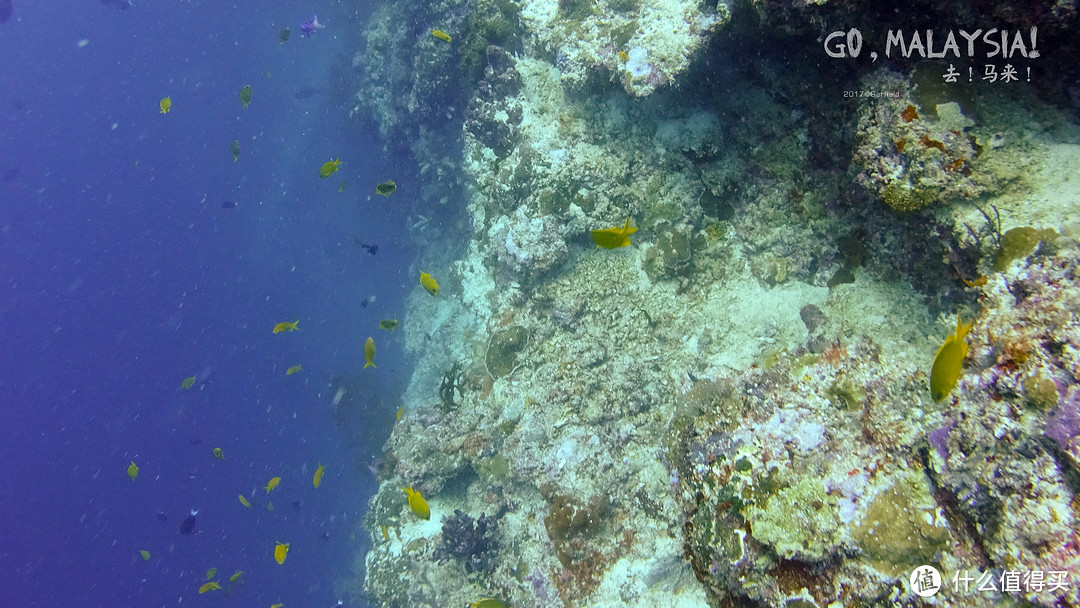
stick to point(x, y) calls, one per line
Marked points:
point(735, 410)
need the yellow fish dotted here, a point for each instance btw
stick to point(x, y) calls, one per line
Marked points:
point(400, 413)
point(388, 324)
point(441, 35)
point(188, 382)
point(292, 370)
point(219, 454)
point(245, 95)
point(317, 479)
point(277, 605)
point(428, 283)
point(488, 602)
point(244, 501)
point(948, 361)
point(211, 586)
point(165, 104)
point(273, 483)
point(235, 149)
point(417, 504)
point(613, 238)
point(236, 575)
point(280, 327)
point(280, 551)
point(145, 555)
point(369, 353)
point(133, 470)
point(329, 168)
point(211, 573)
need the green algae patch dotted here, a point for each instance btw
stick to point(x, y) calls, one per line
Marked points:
point(1020, 243)
point(503, 349)
point(903, 198)
point(1041, 393)
point(902, 528)
point(799, 521)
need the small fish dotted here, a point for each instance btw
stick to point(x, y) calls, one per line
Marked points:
point(441, 35)
point(417, 504)
point(236, 576)
point(948, 361)
point(188, 525)
point(228, 204)
point(133, 470)
point(145, 555)
point(388, 324)
point(211, 586)
point(188, 382)
point(273, 483)
point(277, 605)
point(292, 370)
point(280, 551)
point(309, 27)
point(235, 149)
point(343, 186)
point(219, 453)
point(624, 56)
point(369, 353)
point(329, 168)
point(400, 412)
point(270, 506)
point(283, 35)
point(244, 501)
point(371, 249)
point(245, 96)
point(211, 573)
point(165, 104)
point(488, 602)
point(428, 283)
point(317, 479)
point(613, 238)
point(386, 189)
point(280, 327)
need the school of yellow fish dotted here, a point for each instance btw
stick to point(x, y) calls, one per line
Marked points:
point(414, 500)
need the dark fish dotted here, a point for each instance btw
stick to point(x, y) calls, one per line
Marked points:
point(228, 204)
point(6, 9)
point(372, 249)
point(296, 504)
point(188, 525)
point(161, 516)
point(310, 27)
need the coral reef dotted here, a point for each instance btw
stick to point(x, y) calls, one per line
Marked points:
point(734, 409)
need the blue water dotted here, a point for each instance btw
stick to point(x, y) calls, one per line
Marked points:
point(122, 274)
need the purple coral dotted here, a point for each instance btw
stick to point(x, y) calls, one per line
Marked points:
point(1063, 422)
point(470, 541)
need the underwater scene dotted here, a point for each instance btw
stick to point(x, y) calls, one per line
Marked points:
point(540, 303)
